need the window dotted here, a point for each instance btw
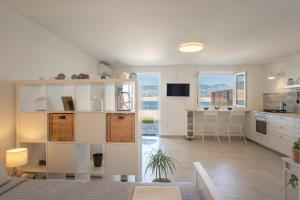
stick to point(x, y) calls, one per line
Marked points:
point(221, 89)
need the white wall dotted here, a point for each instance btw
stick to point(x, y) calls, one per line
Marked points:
point(289, 67)
point(173, 115)
point(28, 51)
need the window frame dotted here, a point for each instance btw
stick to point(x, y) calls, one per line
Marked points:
point(234, 85)
point(243, 73)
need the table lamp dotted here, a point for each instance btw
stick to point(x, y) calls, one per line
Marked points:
point(16, 158)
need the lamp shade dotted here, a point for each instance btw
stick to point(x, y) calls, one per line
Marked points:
point(16, 157)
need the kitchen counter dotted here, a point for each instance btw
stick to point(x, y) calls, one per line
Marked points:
point(293, 115)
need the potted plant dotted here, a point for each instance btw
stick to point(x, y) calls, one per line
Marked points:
point(159, 163)
point(296, 151)
point(293, 181)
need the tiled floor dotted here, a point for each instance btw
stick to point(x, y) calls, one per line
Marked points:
point(239, 170)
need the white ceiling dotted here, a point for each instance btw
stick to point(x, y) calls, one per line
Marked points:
point(147, 32)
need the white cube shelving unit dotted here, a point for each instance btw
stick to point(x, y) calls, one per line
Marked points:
point(90, 128)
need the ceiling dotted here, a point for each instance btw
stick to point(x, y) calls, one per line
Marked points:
point(148, 32)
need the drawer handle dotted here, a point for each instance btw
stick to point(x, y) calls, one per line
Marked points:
point(120, 117)
point(62, 117)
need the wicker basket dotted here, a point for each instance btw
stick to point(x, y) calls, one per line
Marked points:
point(296, 155)
point(120, 127)
point(61, 127)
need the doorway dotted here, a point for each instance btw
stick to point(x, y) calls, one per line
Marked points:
point(150, 103)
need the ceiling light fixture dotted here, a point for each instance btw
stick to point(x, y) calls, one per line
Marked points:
point(189, 47)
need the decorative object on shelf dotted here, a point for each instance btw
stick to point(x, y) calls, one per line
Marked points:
point(68, 103)
point(159, 163)
point(41, 104)
point(293, 181)
point(97, 103)
point(229, 108)
point(61, 127)
point(15, 159)
point(290, 81)
point(124, 102)
point(60, 76)
point(74, 76)
point(133, 76)
point(125, 75)
point(42, 162)
point(83, 76)
point(296, 151)
point(97, 158)
point(80, 76)
point(105, 75)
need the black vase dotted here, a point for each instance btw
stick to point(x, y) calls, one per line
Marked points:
point(97, 157)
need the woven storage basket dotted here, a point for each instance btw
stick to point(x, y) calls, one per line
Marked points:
point(120, 127)
point(61, 127)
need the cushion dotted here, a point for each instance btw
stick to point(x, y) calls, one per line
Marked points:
point(3, 174)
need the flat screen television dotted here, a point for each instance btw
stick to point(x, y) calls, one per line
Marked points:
point(178, 89)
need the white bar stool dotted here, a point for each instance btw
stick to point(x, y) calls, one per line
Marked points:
point(236, 120)
point(210, 119)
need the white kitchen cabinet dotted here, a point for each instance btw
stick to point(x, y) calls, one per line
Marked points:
point(282, 132)
point(250, 126)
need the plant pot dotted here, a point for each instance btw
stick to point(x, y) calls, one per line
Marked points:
point(296, 155)
point(162, 180)
point(97, 157)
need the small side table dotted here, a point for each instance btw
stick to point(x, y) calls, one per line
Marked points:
point(290, 167)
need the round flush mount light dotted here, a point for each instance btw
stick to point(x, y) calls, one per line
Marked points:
point(189, 47)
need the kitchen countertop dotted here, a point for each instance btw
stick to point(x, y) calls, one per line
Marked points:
point(293, 115)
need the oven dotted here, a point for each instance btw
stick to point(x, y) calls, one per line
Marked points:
point(262, 123)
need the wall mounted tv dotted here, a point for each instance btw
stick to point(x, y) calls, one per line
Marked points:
point(178, 89)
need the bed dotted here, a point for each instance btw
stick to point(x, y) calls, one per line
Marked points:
point(27, 189)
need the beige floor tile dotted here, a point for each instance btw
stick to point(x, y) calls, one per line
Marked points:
point(239, 170)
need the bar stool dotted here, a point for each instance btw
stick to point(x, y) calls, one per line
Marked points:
point(236, 120)
point(209, 121)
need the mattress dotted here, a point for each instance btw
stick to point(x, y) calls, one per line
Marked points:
point(82, 190)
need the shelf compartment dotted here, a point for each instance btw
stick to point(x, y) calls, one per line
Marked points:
point(61, 157)
point(32, 127)
point(28, 95)
point(90, 128)
point(84, 159)
point(55, 94)
point(36, 152)
point(90, 97)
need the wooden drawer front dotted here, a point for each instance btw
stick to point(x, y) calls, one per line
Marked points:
point(281, 121)
point(297, 124)
point(297, 133)
point(280, 129)
point(120, 128)
point(282, 144)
